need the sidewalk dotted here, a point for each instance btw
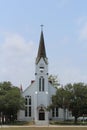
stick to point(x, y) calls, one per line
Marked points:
point(66, 126)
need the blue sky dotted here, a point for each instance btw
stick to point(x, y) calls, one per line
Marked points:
point(65, 34)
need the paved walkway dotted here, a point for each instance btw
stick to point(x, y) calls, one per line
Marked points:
point(4, 126)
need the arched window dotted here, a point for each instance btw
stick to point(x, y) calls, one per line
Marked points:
point(41, 84)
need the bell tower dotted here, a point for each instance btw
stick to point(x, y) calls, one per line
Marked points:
point(42, 66)
point(41, 78)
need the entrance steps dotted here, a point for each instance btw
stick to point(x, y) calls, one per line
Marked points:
point(42, 123)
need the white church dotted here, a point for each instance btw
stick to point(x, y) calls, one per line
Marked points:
point(38, 94)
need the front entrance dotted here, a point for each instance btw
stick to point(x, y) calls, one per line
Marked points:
point(41, 114)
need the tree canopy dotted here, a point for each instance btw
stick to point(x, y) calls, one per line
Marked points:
point(54, 80)
point(73, 97)
point(78, 100)
point(11, 100)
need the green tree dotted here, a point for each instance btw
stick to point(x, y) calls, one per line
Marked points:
point(11, 100)
point(72, 97)
point(54, 80)
point(78, 100)
point(61, 99)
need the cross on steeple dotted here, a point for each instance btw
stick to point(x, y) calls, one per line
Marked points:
point(41, 27)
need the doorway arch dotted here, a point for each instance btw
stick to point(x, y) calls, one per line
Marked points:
point(41, 114)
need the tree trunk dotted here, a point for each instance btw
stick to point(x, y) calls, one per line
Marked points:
point(75, 120)
point(64, 113)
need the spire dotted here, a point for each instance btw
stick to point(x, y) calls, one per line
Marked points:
point(41, 50)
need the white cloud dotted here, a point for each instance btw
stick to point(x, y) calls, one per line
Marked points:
point(16, 59)
point(64, 40)
point(80, 20)
point(82, 28)
point(62, 3)
point(83, 32)
point(68, 70)
point(72, 75)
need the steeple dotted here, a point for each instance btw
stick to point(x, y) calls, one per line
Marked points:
point(41, 50)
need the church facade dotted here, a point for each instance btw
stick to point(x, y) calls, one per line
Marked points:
point(38, 94)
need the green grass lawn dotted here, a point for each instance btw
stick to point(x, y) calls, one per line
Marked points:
point(44, 128)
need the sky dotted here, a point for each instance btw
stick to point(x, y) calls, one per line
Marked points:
point(65, 35)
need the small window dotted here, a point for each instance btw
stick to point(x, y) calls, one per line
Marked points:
point(57, 114)
point(25, 101)
point(26, 111)
point(53, 112)
point(41, 69)
point(29, 111)
point(29, 100)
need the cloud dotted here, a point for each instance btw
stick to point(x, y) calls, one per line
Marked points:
point(64, 40)
point(72, 75)
point(82, 28)
point(69, 68)
point(15, 59)
point(83, 32)
point(80, 20)
point(62, 3)
point(68, 72)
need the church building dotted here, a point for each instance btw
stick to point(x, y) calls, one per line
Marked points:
point(38, 94)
